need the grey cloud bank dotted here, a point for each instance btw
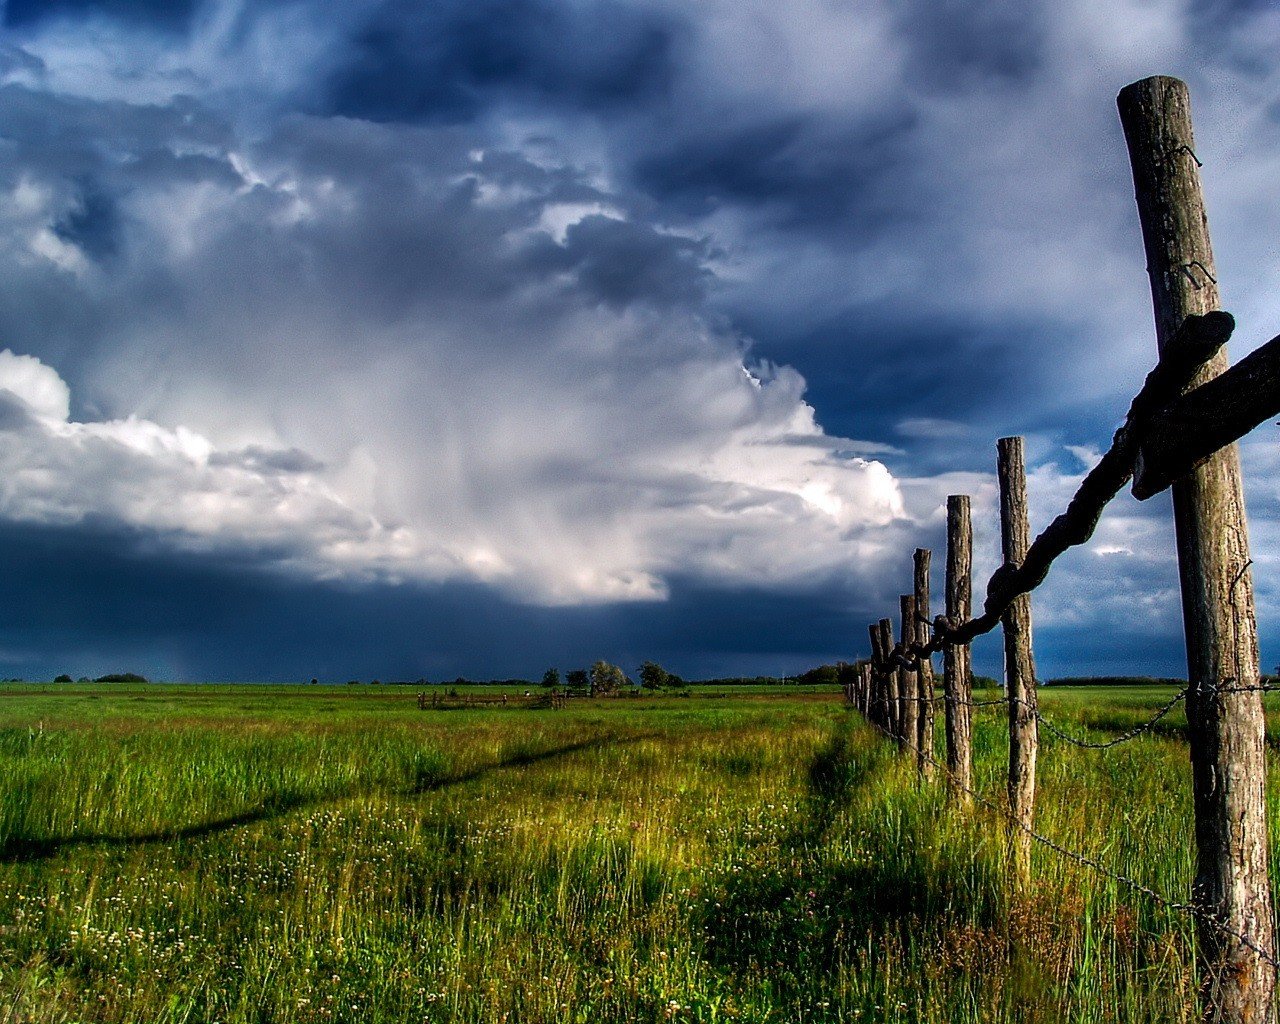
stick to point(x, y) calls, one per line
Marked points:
point(605, 323)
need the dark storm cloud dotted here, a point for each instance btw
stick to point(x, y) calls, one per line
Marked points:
point(71, 137)
point(93, 224)
point(621, 262)
point(448, 61)
point(16, 59)
point(95, 600)
point(800, 172)
point(165, 14)
point(992, 43)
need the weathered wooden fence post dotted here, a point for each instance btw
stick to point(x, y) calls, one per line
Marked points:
point(907, 689)
point(1019, 665)
point(893, 720)
point(957, 674)
point(1226, 729)
point(877, 697)
point(924, 674)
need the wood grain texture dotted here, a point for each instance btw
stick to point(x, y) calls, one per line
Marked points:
point(1226, 730)
point(893, 707)
point(879, 705)
point(1189, 430)
point(1019, 664)
point(924, 673)
point(908, 694)
point(957, 672)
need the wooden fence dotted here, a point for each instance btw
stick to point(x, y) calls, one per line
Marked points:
point(1180, 432)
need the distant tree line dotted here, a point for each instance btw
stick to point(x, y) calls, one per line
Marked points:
point(113, 677)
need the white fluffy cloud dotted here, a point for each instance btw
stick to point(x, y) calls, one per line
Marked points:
point(758, 494)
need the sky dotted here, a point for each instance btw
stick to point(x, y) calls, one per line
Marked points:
point(390, 339)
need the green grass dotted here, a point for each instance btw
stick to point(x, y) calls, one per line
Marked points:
point(298, 854)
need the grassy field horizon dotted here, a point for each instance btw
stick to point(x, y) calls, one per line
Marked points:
point(238, 853)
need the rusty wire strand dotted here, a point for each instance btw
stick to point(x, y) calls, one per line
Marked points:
point(1090, 862)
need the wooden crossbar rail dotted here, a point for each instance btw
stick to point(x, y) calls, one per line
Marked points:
point(1196, 342)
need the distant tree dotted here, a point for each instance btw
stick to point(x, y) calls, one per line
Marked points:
point(121, 677)
point(64, 678)
point(823, 675)
point(551, 678)
point(653, 676)
point(606, 678)
point(676, 682)
point(576, 679)
point(315, 682)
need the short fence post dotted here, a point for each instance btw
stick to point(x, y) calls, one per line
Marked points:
point(924, 673)
point(907, 689)
point(1227, 730)
point(893, 712)
point(957, 674)
point(1019, 665)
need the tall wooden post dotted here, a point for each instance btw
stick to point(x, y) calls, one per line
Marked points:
point(907, 694)
point(957, 672)
point(1226, 730)
point(893, 720)
point(877, 697)
point(1019, 666)
point(924, 674)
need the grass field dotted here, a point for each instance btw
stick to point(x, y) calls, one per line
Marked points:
point(291, 854)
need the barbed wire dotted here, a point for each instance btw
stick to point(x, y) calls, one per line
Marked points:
point(1129, 734)
point(1125, 737)
point(1195, 342)
point(1093, 863)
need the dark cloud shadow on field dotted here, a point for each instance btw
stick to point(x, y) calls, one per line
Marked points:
point(23, 849)
point(804, 919)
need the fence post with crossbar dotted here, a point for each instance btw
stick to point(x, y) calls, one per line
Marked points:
point(1227, 730)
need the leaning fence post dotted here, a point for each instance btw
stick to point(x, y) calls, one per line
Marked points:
point(893, 713)
point(957, 675)
point(1019, 665)
point(924, 673)
point(907, 688)
point(1227, 730)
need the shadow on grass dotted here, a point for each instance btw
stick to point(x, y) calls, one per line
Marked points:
point(430, 779)
point(797, 914)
